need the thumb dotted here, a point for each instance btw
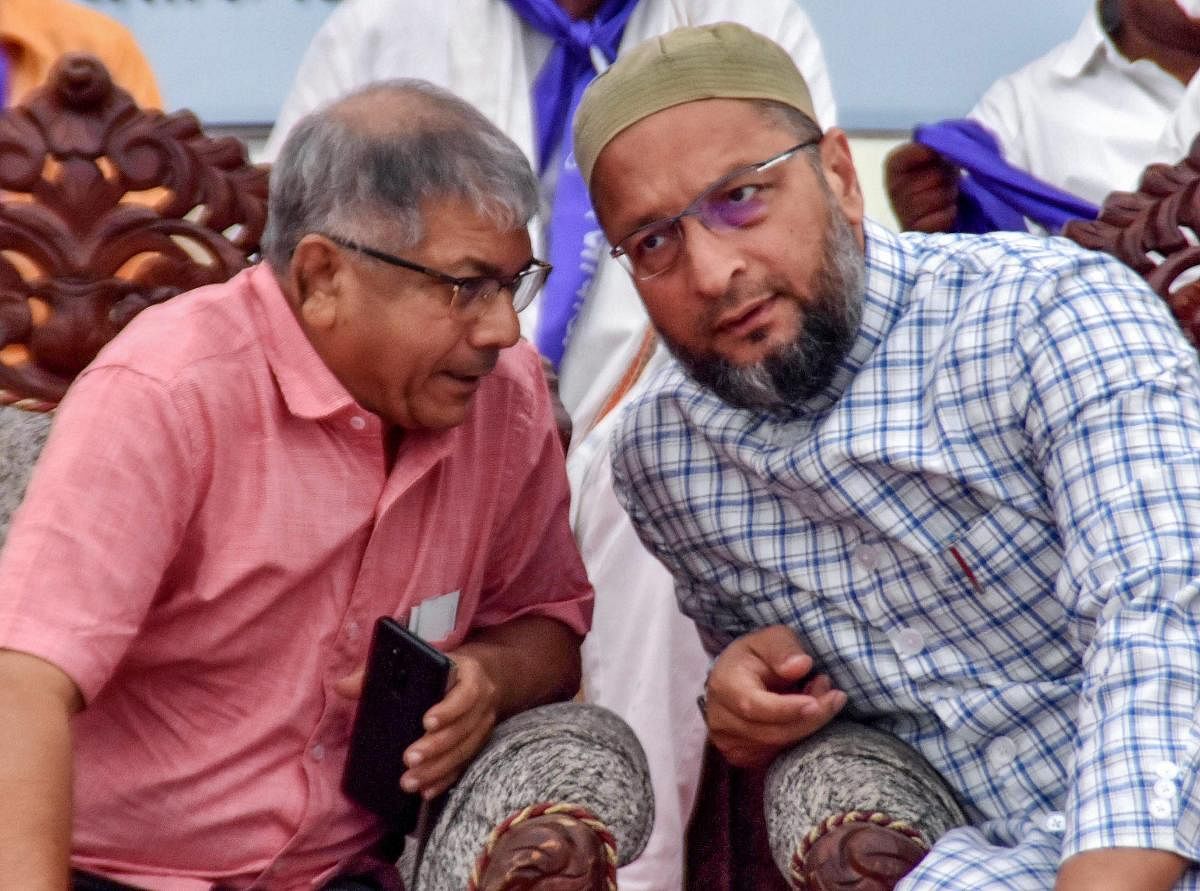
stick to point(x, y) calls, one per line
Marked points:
point(780, 651)
point(350, 686)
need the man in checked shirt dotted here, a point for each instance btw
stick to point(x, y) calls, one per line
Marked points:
point(951, 481)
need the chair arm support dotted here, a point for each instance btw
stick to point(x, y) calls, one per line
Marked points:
point(822, 794)
point(566, 753)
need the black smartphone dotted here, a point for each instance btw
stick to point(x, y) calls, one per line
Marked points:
point(405, 677)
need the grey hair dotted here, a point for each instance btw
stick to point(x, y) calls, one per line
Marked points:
point(334, 175)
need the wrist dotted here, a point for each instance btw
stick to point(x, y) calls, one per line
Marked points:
point(1115, 869)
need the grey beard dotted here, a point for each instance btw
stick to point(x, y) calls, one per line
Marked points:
point(802, 368)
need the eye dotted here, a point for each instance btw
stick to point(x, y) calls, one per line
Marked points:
point(477, 290)
point(736, 207)
point(744, 193)
point(652, 242)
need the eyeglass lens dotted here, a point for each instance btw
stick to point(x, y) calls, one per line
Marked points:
point(472, 295)
point(738, 200)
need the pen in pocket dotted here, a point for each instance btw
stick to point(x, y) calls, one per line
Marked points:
point(965, 567)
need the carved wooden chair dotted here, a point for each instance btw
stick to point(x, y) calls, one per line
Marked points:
point(106, 209)
point(1156, 231)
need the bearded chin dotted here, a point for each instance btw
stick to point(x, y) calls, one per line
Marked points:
point(803, 367)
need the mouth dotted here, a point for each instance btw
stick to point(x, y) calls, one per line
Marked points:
point(467, 381)
point(747, 319)
point(464, 380)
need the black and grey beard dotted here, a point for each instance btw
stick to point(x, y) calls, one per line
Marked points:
point(802, 368)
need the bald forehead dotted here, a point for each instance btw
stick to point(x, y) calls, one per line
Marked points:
point(386, 112)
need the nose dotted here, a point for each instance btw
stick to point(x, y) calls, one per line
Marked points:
point(497, 326)
point(711, 258)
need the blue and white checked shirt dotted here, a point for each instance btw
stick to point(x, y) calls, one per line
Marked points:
point(986, 530)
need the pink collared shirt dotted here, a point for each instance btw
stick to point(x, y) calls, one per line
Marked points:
point(204, 548)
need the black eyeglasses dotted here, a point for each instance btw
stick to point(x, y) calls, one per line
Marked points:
point(469, 296)
point(735, 201)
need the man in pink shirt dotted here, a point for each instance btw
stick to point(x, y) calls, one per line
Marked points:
point(251, 474)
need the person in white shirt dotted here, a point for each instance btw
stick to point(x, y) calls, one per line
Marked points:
point(1086, 117)
point(1184, 125)
point(643, 659)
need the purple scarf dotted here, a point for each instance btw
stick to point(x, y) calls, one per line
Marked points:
point(576, 244)
point(994, 195)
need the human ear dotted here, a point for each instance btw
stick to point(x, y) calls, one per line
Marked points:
point(838, 166)
point(315, 274)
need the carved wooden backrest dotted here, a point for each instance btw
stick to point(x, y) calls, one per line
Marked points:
point(106, 208)
point(1156, 230)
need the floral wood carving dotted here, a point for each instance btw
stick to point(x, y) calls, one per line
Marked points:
point(106, 209)
point(1156, 230)
point(552, 852)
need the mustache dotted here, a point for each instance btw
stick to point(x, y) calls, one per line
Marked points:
point(485, 365)
point(742, 293)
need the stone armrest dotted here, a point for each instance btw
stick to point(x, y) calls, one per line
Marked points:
point(854, 809)
point(559, 792)
point(22, 435)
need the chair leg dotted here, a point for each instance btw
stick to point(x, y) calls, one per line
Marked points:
point(560, 850)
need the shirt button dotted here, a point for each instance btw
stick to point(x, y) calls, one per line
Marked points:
point(908, 642)
point(1166, 770)
point(317, 752)
point(1000, 752)
point(1055, 822)
point(352, 631)
point(1165, 789)
point(1161, 808)
point(1111, 608)
point(866, 556)
point(358, 422)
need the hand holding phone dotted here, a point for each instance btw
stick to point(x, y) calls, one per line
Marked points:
point(405, 677)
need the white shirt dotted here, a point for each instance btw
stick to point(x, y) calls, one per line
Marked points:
point(642, 659)
point(1083, 117)
point(1184, 125)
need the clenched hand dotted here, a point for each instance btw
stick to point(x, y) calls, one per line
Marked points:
point(759, 702)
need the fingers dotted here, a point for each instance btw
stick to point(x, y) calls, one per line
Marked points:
point(470, 689)
point(818, 686)
point(773, 654)
point(437, 760)
point(760, 700)
point(350, 686)
point(456, 729)
point(922, 188)
point(931, 212)
point(908, 158)
point(746, 742)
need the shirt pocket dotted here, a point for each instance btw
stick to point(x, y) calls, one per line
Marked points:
point(978, 608)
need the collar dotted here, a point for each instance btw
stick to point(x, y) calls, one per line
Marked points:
point(309, 388)
point(1089, 42)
